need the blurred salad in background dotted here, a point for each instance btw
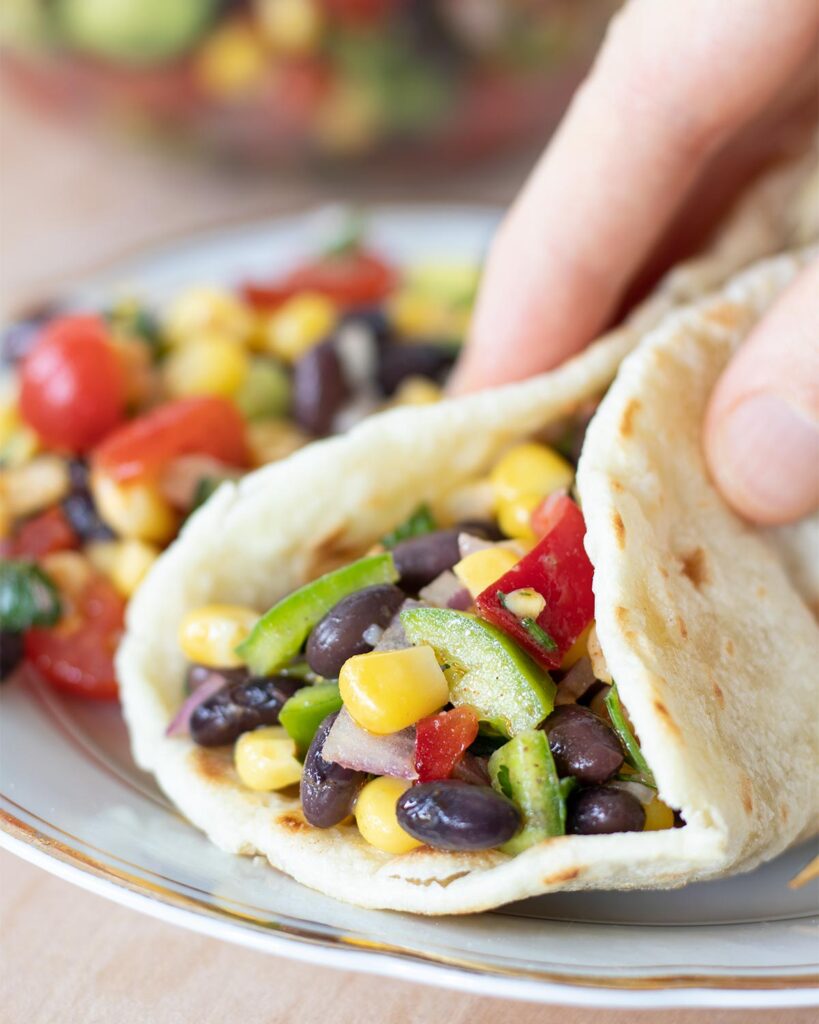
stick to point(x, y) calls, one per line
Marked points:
point(115, 424)
point(287, 80)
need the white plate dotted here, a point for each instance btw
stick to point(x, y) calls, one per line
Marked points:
point(73, 802)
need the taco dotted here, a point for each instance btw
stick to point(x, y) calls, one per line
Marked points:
point(421, 678)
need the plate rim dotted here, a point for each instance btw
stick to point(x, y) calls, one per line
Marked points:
point(547, 987)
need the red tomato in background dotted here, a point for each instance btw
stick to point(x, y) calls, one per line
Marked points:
point(359, 12)
point(77, 655)
point(356, 278)
point(559, 569)
point(72, 388)
point(40, 536)
point(190, 426)
point(440, 742)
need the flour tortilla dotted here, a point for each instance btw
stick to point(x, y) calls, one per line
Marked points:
point(728, 734)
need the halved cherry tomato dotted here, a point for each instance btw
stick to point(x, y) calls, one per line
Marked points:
point(356, 278)
point(559, 569)
point(40, 536)
point(77, 655)
point(190, 426)
point(440, 742)
point(72, 387)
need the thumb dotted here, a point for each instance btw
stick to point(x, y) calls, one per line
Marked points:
point(762, 426)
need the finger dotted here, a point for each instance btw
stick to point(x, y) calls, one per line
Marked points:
point(673, 81)
point(762, 427)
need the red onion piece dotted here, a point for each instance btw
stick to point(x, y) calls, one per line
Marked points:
point(180, 723)
point(445, 589)
point(472, 769)
point(575, 683)
point(394, 638)
point(468, 544)
point(351, 746)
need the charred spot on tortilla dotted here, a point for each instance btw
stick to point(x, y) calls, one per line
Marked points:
point(621, 614)
point(627, 421)
point(695, 567)
point(683, 628)
point(293, 821)
point(719, 696)
point(664, 713)
point(619, 529)
point(213, 765)
point(761, 591)
point(729, 647)
point(727, 314)
point(617, 487)
point(568, 875)
point(747, 794)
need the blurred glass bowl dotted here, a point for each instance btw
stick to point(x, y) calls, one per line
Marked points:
point(293, 81)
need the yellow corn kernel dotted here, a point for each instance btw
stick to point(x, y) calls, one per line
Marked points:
point(515, 516)
point(36, 485)
point(375, 815)
point(348, 119)
point(417, 314)
point(265, 759)
point(299, 324)
point(204, 310)
point(133, 509)
point(291, 26)
point(232, 61)
point(271, 440)
point(658, 816)
point(132, 560)
point(102, 554)
point(578, 650)
point(6, 520)
point(209, 365)
point(480, 569)
point(69, 570)
point(417, 391)
point(530, 469)
point(210, 635)
point(18, 442)
point(386, 691)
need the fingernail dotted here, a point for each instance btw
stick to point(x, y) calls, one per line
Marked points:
point(766, 460)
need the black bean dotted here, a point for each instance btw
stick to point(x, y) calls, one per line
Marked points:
point(603, 809)
point(339, 635)
point(81, 513)
point(454, 815)
point(420, 559)
point(11, 652)
point(239, 708)
point(582, 744)
point(401, 360)
point(319, 389)
point(327, 789)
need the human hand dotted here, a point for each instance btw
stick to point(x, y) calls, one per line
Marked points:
point(677, 88)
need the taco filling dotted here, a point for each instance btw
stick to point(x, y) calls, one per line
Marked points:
point(447, 689)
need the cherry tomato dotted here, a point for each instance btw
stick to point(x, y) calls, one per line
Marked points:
point(40, 536)
point(559, 569)
point(77, 655)
point(72, 388)
point(190, 426)
point(356, 278)
point(440, 742)
point(359, 12)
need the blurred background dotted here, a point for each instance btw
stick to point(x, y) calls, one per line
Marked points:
point(126, 121)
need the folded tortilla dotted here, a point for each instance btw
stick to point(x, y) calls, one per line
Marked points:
point(712, 646)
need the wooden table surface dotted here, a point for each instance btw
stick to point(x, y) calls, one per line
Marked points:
point(69, 201)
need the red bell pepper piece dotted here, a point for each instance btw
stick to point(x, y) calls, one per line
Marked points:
point(440, 742)
point(204, 425)
point(357, 278)
point(42, 535)
point(559, 569)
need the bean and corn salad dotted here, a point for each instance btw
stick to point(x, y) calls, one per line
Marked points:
point(116, 424)
point(331, 80)
point(447, 689)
